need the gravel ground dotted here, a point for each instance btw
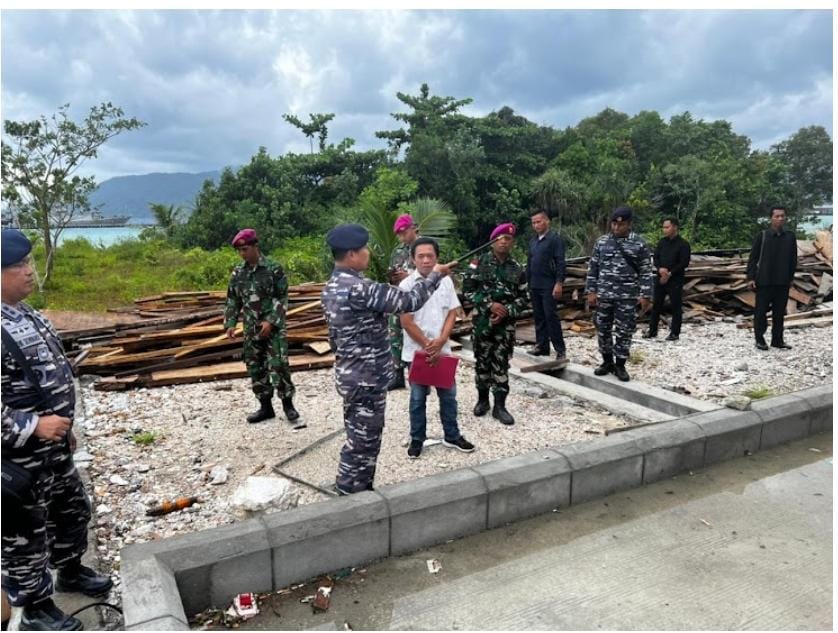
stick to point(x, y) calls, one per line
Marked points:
point(197, 427)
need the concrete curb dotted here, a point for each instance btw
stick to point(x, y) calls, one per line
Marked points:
point(166, 580)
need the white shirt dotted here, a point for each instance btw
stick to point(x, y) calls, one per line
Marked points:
point(430, 317)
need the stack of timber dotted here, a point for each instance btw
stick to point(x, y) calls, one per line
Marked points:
point(184, 341)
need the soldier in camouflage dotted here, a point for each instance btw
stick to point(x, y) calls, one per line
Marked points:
point(356, 312)
point(44, 524)
point(619, 276)
point(497, 286)
point(258, 290)
point(401, 265)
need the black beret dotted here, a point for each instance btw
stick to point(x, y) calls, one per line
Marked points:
point(347, 237)
point(622, 213)
point(15, 247)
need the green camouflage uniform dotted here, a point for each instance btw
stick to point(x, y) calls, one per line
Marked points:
point(489, 280)
point(399, 260)
point(260, 293)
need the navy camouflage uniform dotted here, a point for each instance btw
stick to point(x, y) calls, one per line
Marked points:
point(260, 293)
point(618, 288)
point(50, 529)
point(399, 260)
point(356, 311)
point(489, 280)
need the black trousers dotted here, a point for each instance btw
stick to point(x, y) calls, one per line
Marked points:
point(548, 327)
point(776, 298)
point(675, 291)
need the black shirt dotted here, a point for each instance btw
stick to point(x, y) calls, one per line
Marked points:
point(545, 261)
point(778, 260)
point(674, 255)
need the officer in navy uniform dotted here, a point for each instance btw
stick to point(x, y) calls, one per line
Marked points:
point(356, 311)
point(619, 276)
point(48, 526)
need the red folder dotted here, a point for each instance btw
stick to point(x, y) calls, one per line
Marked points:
point(439, 375)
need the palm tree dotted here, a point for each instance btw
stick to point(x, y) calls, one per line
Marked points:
point(168, 217)
point(433, 217)
point(556, 192)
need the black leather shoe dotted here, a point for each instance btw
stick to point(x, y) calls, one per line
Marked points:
point(761, 345)
point(482, 407)
point(649, 334)
point(536, 351)
point(672, 337)
point(84, 580)
point(288, 409)
point(265, 412)
point(621, 373)
point(781, 345)
point(45, 616)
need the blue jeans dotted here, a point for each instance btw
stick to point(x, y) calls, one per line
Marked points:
point(447, 411)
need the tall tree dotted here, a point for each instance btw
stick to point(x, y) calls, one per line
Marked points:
point(40, 163)
point(807, 155)
point(317, 126)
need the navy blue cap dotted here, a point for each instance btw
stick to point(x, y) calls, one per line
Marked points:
point(347, 237)
point(15, 247)
point(622, 213)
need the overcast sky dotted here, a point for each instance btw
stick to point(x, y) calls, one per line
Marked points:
point(212, 85)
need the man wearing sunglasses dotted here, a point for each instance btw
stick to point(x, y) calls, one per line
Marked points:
point(619, 277)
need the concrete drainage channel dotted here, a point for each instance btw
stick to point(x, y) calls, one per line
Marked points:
point(168, 580)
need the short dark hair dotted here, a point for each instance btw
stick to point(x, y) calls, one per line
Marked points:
point(339, 253)
point(777, 207)
point(540, 212)
point(671, 220)
point(424, 240)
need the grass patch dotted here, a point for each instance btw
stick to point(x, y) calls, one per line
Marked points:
point(636, 357)
point(756, 393)
point(145, 438)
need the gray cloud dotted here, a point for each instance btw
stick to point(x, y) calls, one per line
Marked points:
point(213, 84)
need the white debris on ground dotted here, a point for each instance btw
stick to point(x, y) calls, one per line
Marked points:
point(151, 445)
point(716, 360)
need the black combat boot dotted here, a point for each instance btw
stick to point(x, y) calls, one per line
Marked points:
point(78, 578)
point(265, 412)
point(499, 412)
point(398, 381)
point(620, 370)
point(45, 616)
point(288, 409)
point(606, 367)
point(482, 407)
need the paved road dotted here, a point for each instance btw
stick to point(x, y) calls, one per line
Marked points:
point(742, 545)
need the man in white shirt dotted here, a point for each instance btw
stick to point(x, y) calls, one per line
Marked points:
point(428, 329)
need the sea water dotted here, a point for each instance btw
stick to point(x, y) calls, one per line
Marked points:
point(101, 236)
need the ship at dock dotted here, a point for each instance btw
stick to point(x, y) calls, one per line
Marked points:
point(95, 220)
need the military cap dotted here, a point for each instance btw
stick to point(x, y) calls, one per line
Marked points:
point(16, 247)
point(622, 213)
point(245, 236)
point(404, 221)
point(347, 237)
point(507, 228)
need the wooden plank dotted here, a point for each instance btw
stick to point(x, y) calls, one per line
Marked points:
point(748, 297)
point(800, 297)
point(319, 347)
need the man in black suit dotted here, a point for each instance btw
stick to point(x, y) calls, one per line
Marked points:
point(671, 258)
point(771, 269)
point(545, 276)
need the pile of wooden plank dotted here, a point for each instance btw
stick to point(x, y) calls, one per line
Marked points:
point(184, 341)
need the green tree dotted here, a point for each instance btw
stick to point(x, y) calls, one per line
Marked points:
point(317, 126)
point(168, 217)
point(40, 163)
point(807, 155)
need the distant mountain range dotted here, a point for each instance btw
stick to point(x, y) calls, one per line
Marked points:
point(132, 195)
